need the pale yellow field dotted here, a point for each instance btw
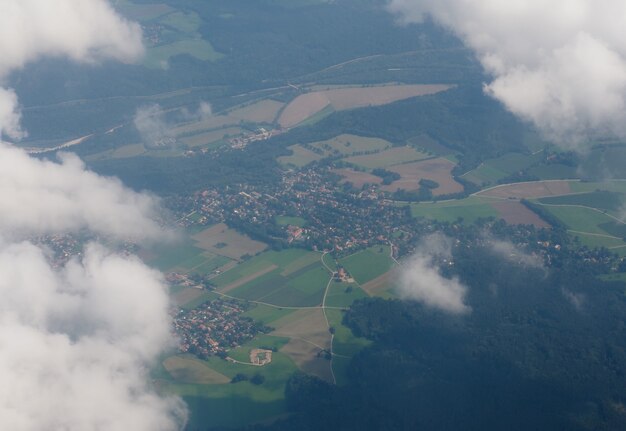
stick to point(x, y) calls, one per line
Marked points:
point(236, 246)
point(306, 105)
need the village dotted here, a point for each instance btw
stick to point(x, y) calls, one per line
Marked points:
point(213, 328)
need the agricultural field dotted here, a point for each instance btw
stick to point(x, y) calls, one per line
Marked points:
point(513, 212)
point(366, 265)
point(309, 335)
point(438, 170)
point(579, 219)
point(469, 209)
point(343, 294)
point(603, 200)
point(223, 241)
point(290, 278)
point(158, 56)
point(529, 190)
point(266, 314)
point(381, 285)
point(390, 157)
point(309, 104)
point(345, 345)
point(346, 145)
point(205, 139)
point(606, 161)
point(493, 170)
point(236, 404)
point(300, 157)
point(189, 369)
point(554, 172)
point(169, 33)
point(617, 186)
point(262, 112)
point(357, 178)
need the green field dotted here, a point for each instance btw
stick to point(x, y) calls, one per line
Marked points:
point(171, 256)
point(158, 57)
point(343, 294)
point(593, 241)
point(368, 264)
point(345, 345)
point(265, 314)
point(239, 404)
point(186, 257)
point(469, 209)
point(581, 219)
point(617, 186)
point(289, 278)
point(495, 169)
point(290, 260)
point(553, 172)
point(602, 200)
point(303, 288)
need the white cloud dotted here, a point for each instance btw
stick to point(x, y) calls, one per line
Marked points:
point(560, 64)
point(421, 279)
point(82, 30)
point(152, 125)
point(42, 196)
point(75, 345)
point(510, 252)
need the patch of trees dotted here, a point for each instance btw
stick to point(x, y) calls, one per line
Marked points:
point(429, 184)
point(542, 348)
point(388, 177)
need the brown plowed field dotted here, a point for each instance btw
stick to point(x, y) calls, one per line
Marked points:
point(514, 212)
point(358, 179)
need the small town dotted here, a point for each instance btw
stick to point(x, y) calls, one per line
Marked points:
point(213, 328)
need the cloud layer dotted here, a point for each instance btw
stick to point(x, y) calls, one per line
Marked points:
point(41, 196)
point(76, 343)
point(82, 30)
point(560, 64)
point(421, 279)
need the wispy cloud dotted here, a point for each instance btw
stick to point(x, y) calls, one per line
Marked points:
point(421, 279)
point(559, 64)
point(76, 343)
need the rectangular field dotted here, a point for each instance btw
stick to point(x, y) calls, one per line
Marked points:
point(514, 212)
point(287, 278)
point(469, 209)
point(223, 241)
point(602, 200)
point(534, 189)
point(368, 264)
point(390, 157)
